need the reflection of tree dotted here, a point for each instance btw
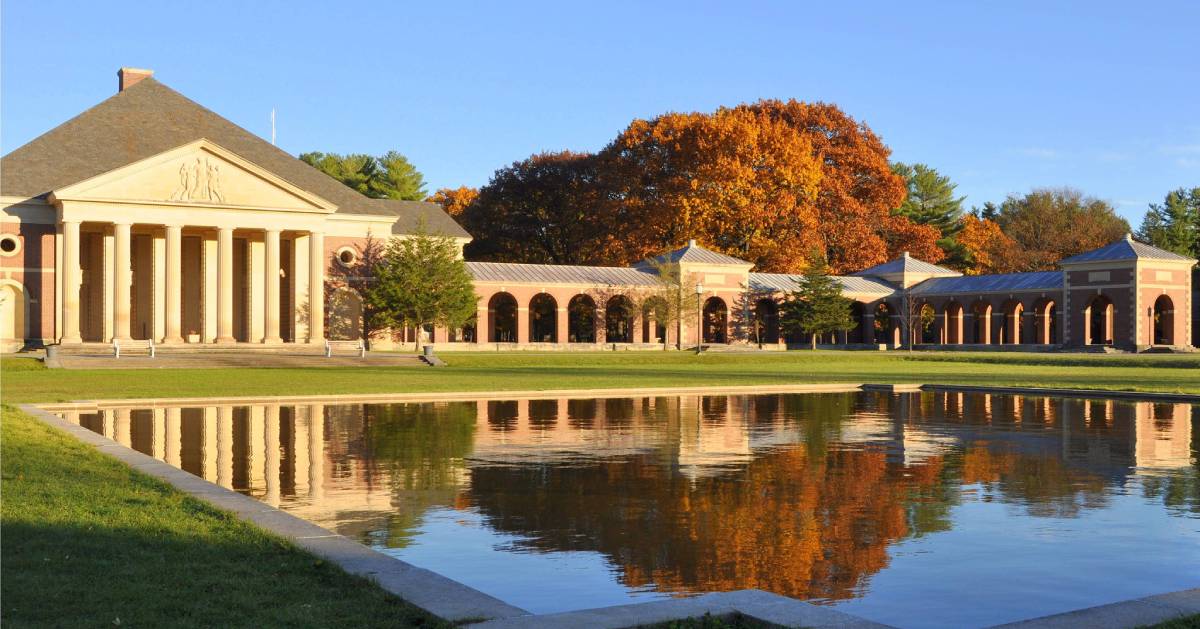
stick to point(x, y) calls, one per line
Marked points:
point(421, 448)
point(797, 521)
point(1043, 484)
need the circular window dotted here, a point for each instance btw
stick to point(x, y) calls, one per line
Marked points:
point(347, 256)
point(9, 245)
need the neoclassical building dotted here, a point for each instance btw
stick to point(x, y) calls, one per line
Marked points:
point(151, 217)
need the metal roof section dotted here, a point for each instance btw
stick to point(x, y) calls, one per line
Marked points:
point(907, 264)
point(560, 274)
point(693, 253)
point(1125, 249)
point(1006, 282)
point(786, 283)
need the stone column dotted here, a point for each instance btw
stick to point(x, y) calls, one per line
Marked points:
point(522, 325)
point(174, 284)
point(316, 287)
point(70, 283)
point(225, 285)
point(122, 281)
point(271, 279)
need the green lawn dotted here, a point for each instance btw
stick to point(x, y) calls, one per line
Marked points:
point(90, 542)
point(24, 380)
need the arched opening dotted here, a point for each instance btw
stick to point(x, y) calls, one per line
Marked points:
point(927, 324)
point(465, 334)
point(1011, 330)
point(886, 331)
point(858, 333)
point(766, 321)
point(618, 320)
point(14, 325)
point(654, 315)
point(581, 320)
point(954, 323)
point(502, 318)
point(543, 319)
point(1045, 322)
point(982, 324)
point(1164, 321)
point(1098, 321)
point(716, 319)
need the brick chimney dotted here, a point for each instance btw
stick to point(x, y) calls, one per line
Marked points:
point(128, 77)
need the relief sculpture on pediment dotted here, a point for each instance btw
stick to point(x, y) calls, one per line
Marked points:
point(199, 181)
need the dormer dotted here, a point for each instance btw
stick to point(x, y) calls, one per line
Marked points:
point(907, 271)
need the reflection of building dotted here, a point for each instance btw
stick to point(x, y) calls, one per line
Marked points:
point(150, 217)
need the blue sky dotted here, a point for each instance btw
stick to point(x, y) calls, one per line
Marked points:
point(1001, 96)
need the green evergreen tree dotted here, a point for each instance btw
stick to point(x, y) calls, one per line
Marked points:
point(422, 281)
point(391, 176)
point(989, 212)
point(1175, 224)
point(931, 201)
point(818, 306)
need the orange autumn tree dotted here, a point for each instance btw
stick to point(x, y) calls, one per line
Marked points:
point(740, 182)
point(454, 201)
point(859, 193)
point(988, 249)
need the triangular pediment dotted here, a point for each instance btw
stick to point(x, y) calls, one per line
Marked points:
point(200, 173)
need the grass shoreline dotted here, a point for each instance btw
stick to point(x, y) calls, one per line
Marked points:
point(26, 380)
point(90, 541)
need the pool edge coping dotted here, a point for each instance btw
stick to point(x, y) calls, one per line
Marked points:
point(457, 602)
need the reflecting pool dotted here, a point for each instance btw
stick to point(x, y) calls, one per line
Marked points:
point(912, 509)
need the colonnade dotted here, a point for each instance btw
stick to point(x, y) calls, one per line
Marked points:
point(170, 307)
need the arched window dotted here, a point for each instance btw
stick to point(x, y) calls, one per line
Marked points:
point(766, 321)
point(1164, 321)
point(884, 325)
point(716, 320)
point(1098, 321)
point(581, 320)
point(543, 319)
point(1011, 328)
point(1045, 322)
point(502, 312)
point(982, 324)
point(954, 323)
point(618, 320)
point(927, 324)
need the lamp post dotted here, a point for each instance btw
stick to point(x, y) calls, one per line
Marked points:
point(699, 318)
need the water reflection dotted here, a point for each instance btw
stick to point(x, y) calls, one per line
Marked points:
point(825, 497)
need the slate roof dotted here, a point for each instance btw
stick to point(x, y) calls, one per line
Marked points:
point(1125, 249)
point(560, 274)
point(906, 264)
point(851, 284)
point(149, 118)
point(1006, 282)
point(693, 252)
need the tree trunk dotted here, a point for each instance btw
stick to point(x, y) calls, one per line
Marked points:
point(417, 337)
point(813, 336)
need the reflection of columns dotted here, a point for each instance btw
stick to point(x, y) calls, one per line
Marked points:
point(316, 287)
point(210, 443)
point(70, 283)
point(174, 442)
point(225, 285)
point(271, 333)
point(108, 424)
point(123, 428)
point(316, 449)
point(271, 458)
point(122, 280)
point(257, 448)
point(160, 438)
point(174, 284)
point(225, 446)
point(299, 451)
